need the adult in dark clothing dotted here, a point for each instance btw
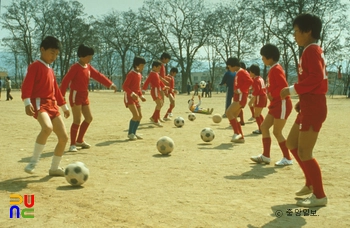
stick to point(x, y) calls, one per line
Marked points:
point(228, 80)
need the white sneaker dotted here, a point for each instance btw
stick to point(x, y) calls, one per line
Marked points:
point(170, 114)
point(260, 159)
point(132, 137)
point(158, 124)
point(313, 202)
point(166, 119)
point(30, 168)
point(236, 137)
point(59, 172)
point(251, 119)
point(138, 136)
point(284, 161)
point(83, 145)
point(73, 148)
point(161, 120)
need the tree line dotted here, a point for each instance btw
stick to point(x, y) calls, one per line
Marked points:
point(190, 31)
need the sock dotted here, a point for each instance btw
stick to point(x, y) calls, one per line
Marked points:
point(266, 145)
point(83, 127)
point(157, 115)
point(314, 171)
point(241, 116)
point(131, 126)
point(55, 162)
point(239, 127)
point(258, 122)
point(73, 133)
point(38, 149)
point(136, 125)
point(171, 108)
point(234, 125)
point(302, 166)
point(154, 116)
point(285, 150)
point(252, 110)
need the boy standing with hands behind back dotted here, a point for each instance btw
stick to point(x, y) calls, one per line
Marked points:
point(42, 96)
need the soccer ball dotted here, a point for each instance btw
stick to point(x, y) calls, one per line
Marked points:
point(207, 134)
point(191, 116)
point(76, 173)
point(202, 84)
point(179, 121)
point(165, 145)
point(217, 118)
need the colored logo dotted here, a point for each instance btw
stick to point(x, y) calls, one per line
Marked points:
point(16, 200)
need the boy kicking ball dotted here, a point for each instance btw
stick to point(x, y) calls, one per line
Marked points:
point(41, 95)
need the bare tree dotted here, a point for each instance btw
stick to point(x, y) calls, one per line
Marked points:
point(181, 28)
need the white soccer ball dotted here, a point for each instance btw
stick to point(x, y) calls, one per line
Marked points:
point(191, 116)
point(179, 121)
point(76, 173)
point(207, 134)
point(165, 145)
point(217, 118)
point(202, 84)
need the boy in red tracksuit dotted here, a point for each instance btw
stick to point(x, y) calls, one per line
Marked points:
point(279, 109)
point(132, 93)
point(78, 79)
point(259, 98)
point(171, 92)
point(311, 87)
point(42, 97)
point(157, 87)
point(242, 83)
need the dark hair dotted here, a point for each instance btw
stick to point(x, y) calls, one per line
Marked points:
point(309, 22)
point(165, 55)
point(174, 69)
point(233, 61)
point(156, 63)
point(242, 64)
point(138, 60)
point(255, 69)
point(84, 51)
point(270, 51)
point(50, 42)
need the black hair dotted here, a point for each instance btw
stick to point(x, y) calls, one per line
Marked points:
point(233, 61)
point(242, 64)
point(50, 42)
point(309, 22)
point(270, 51)
point(156, 63)
point(255, 69)
point(138, 60)
point(174, 69)
point(84, 51)
point(165, 55)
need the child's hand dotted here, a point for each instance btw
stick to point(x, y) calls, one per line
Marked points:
point(114, 87)
point(66, 114)
point(284, 92)
point(143, 99)
point(134, 96)
point(297, 107)
point(29, 110)
point(269, 97)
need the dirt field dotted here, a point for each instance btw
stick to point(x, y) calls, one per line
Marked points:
point(200, 185)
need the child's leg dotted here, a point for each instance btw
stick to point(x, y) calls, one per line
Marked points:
point(278, 126)
point(156, 114)
point(292, 144)
point(257, 115)
point(232, 112)
point(307, 141)
point(252, 110)
point(76, 111)
point(241, 117)
point(60, 130)
point(171, 105)
point(265, 131)
point(46, 129)
point(85, 109)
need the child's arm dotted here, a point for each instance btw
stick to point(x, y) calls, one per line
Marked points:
point(102, 79)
